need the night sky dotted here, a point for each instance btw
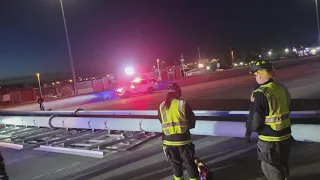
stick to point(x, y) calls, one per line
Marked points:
point(108, 35)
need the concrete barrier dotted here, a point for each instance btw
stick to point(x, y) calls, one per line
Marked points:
point(67, 102)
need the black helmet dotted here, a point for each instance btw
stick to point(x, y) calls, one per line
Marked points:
point(260, 64)
point(174, 87)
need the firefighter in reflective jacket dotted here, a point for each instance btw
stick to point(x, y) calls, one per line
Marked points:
point(269, 117)
point(177, 118)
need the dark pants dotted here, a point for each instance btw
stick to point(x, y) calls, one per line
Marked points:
point(41, 107)
point(274, 158)
point(3, 173)
point(179, 154)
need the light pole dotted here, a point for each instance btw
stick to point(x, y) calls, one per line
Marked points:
point(38, 77)
point(318, 21)
point(159, 78)
point(69, 49)
point(182, 60)
point(199, 54)
point(232, 57)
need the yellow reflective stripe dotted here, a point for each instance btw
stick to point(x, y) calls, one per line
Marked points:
point(177, 178)
point(277, 119)
point(172, 124)
point(274, 139)
point(176, 143)
point(198, 178)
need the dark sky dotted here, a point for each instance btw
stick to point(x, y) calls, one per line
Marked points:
point(107, 35)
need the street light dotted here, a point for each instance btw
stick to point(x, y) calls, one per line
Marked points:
point(286, 50)
point(159, 75)
point(129, 70)
point(269, 53)
point(69, 49)
point(38, 77)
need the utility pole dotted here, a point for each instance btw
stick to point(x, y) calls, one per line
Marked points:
point(159, 75)
point(199, 53)
point(232, 55)
point(69, 49)
point(318, 21)
point(182, 60)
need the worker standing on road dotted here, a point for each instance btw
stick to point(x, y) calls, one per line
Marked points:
point(269, 117)
point(41, 101)
point(177, 118)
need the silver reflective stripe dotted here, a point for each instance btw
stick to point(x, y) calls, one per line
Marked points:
point(182, 105)
point(164, 114)
point(166, 132)
point(171, 124)
point(183, 129)
point(277, 119)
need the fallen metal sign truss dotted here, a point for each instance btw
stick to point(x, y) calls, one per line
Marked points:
point(93, 143)
point(203, 113)
point(99, 133)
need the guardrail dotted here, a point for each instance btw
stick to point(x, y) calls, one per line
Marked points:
point(98, 133)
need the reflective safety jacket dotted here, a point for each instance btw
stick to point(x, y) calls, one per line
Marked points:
point(176, 122)
point(277, 121)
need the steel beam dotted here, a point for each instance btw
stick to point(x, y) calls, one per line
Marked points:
point(81, 152)
point(44, 134)
point(69, 141)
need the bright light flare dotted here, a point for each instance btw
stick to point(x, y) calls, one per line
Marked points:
point(200, 65)
point(119, 89)
point(132, 87)
point(269, 53)
point(286, 50)
point(208, 67)
point(129, 70)
point(137, 80)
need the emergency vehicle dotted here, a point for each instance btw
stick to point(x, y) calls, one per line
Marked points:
point(138, 86)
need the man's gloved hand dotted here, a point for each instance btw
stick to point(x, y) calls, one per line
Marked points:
point(247, 136)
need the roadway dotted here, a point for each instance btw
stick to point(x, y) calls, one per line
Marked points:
point(302, 82)
point(229, 158)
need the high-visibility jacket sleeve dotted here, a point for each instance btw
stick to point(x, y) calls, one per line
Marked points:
point(259, 109)
point(191, 118)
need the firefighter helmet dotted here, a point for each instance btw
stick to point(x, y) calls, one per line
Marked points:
point(261, 64)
